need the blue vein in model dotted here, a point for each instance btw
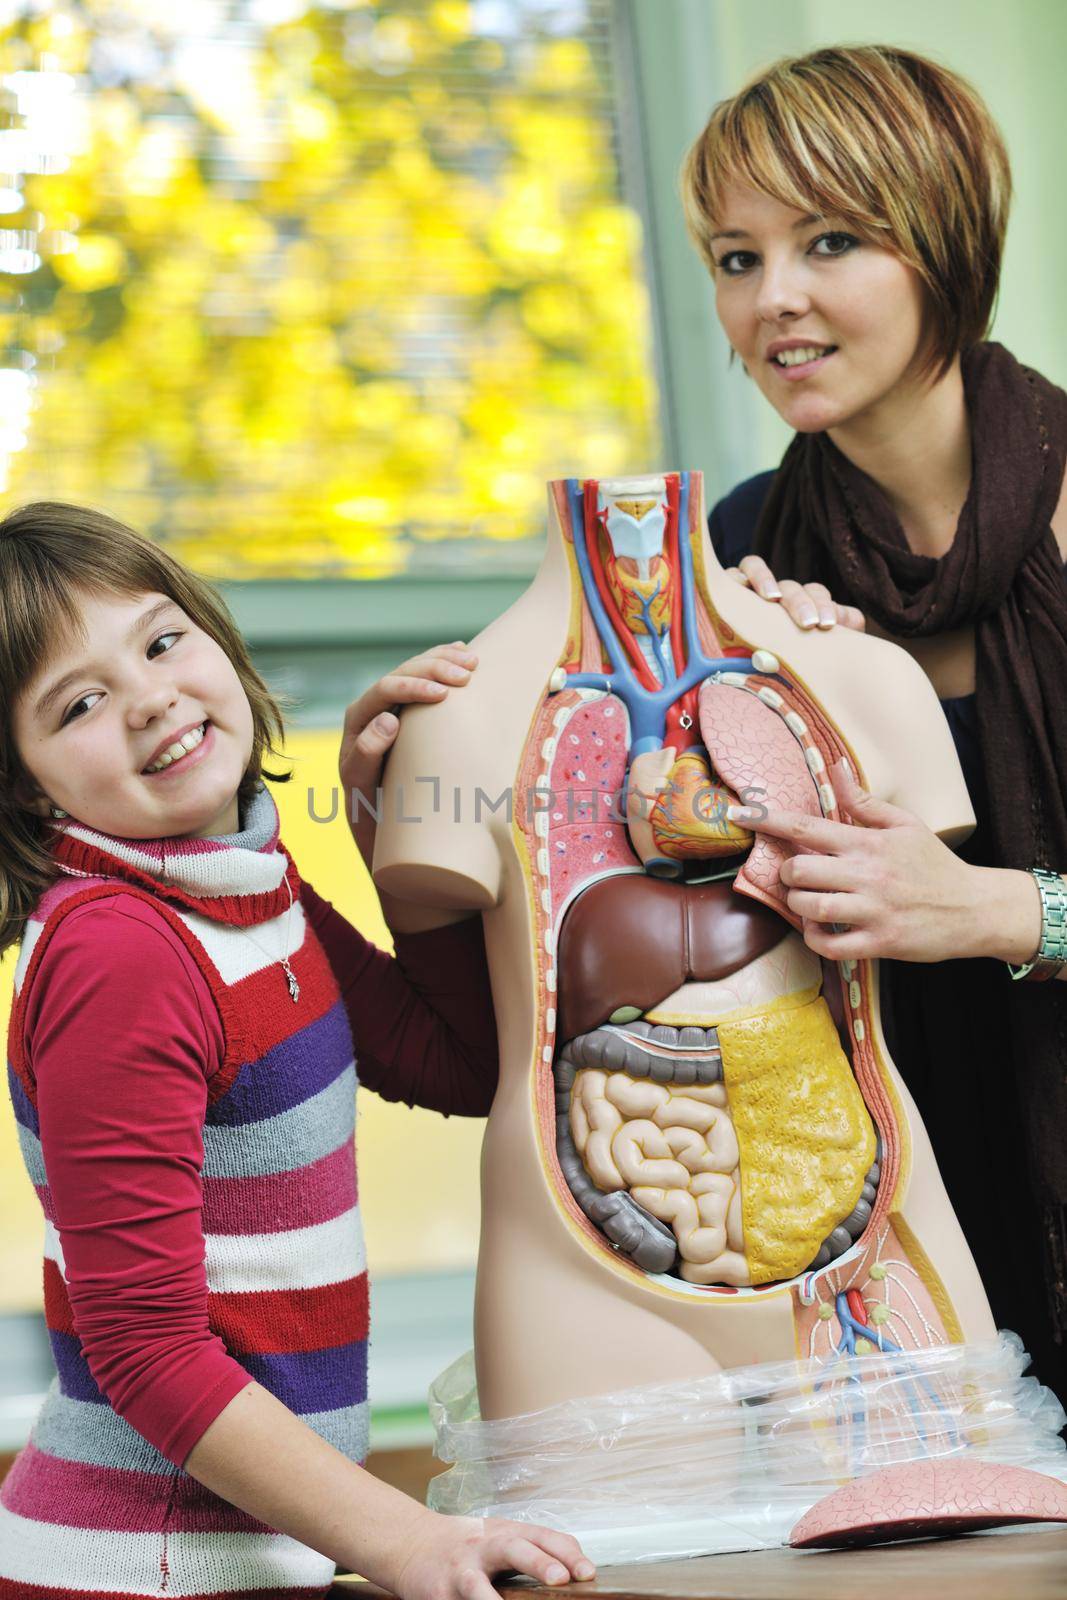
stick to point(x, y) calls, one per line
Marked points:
point(647, 707)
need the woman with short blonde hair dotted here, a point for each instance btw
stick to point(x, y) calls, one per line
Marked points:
point(900, 149)
point(851, 206)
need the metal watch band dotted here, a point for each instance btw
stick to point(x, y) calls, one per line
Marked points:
point(1051, 955)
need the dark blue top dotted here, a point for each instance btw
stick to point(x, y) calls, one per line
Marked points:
point(732, 525)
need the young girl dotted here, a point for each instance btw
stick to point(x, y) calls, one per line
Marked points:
point(181, 1067)
point(851, 206)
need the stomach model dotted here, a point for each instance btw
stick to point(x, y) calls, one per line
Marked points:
point(712, 1109)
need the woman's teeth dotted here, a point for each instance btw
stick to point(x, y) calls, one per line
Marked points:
point(808, 352)
point(181, 747)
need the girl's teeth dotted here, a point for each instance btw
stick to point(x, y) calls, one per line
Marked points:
point(794, 358)
point(179, 748)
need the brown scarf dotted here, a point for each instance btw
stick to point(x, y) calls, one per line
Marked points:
point(825, 520)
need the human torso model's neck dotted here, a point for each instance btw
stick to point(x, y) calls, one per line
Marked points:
point(634, 555)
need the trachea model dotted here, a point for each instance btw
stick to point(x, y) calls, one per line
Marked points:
point(700, 1155)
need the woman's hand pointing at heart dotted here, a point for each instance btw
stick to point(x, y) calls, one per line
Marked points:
point(883, 884)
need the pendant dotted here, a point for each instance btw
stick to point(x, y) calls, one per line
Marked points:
point(294, 987)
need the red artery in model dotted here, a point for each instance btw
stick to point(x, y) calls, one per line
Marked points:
point(856, 1306)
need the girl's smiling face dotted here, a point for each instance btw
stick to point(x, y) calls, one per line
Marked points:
point(143, 682)
point(829, 326)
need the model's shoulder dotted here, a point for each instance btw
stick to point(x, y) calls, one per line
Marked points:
point(732, 521)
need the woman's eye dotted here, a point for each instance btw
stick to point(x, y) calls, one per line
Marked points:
point(734, 262)
point(162, 636)
point(834, 244)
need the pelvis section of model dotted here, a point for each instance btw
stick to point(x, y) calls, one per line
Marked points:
point(708, 1093)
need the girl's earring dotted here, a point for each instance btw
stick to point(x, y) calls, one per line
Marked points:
point(56, 812)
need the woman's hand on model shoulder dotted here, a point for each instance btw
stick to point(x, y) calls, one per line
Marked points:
point(454, 1558)
point(371, 726)
point(809, 604)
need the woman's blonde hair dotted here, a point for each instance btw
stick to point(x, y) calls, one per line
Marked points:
point(51, 555)
point(900, 148)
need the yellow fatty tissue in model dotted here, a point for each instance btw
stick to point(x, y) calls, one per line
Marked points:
point(804, 1134)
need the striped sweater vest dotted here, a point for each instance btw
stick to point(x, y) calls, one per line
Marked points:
point(90, 1508)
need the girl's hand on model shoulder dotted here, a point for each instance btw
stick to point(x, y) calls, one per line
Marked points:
point(809, 604)
point(371, 725)
point(454, 1558)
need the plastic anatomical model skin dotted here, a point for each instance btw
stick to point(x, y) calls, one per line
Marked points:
point(700, 1154)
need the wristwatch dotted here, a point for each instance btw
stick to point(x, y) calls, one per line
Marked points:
point(1051, 955)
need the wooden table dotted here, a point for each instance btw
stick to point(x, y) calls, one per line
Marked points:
point(1004, 1566)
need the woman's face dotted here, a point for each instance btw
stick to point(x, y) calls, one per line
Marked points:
point(830, 327)
point(103, 711)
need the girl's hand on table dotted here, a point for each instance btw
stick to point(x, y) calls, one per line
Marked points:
point(809, 604)
point(454, 1558)
point(893, 888)
point(371, 726)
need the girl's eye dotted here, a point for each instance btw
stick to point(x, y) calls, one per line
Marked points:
point(734, 262)
point(160, 639)
point(834, 244)
point(73, 713)
point(70, 717)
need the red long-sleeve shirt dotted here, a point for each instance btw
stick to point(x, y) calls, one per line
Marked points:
point(124, 1039)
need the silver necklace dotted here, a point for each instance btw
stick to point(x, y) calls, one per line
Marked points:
point(283, 961)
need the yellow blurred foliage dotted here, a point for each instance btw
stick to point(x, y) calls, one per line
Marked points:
point(98, 262)
point(364, 256)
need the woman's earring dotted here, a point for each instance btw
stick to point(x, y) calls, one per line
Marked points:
point(56, 812)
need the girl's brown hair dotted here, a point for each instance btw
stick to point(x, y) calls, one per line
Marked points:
point(900, 148)
point(50, 555)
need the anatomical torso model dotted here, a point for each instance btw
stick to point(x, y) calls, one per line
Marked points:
point(700, 1155)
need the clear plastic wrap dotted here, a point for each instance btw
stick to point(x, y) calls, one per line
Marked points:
point(732, 1462)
